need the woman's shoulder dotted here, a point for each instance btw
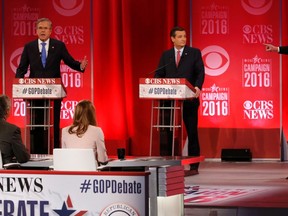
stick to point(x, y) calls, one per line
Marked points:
point(65, 129)
point(94, 128)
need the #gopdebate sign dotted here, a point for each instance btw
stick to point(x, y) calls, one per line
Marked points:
point(165, 88)
point(33, 88)
point(85, 193)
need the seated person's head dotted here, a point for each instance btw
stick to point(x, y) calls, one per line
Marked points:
point(84, 113)
point(4, 106)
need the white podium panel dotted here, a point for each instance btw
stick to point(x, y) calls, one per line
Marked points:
point(165, 88)
point(175, 89)
point(38, 88)
point(33, 90)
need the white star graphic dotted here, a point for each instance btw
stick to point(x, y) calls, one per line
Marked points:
point(214, 88)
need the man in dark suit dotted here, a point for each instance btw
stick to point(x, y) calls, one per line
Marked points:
point(11, 146)
point(44, 61)
point(191, 67)
point(279, 49)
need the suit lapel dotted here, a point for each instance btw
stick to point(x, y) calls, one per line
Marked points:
point(50, 51)
point(35, 50)
point(183, 56)
point(171, 57)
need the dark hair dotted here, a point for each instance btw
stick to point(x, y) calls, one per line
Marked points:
point(176, 28)
point(83, 117)
point(4, 106)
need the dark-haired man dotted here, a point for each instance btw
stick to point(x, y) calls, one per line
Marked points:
point(186, 62)
point(11, 146)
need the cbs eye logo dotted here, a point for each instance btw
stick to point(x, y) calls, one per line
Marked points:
point(68, 8)
point(216, 60)
point(247, 29)
point(247, 105)
point(256, 7)
point(15, 60)
point(147, 81)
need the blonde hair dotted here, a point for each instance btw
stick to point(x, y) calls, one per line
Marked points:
point(83, 117)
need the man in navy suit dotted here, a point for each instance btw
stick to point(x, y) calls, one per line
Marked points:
point(12, 148)
point(55, 52)
point(190, 67)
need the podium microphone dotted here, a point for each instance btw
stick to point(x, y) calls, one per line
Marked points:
point(159, 68)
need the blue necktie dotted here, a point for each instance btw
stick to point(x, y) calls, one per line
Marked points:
point(43, 54)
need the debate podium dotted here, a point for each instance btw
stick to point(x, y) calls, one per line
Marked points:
point(39, 95)
point(166, 89)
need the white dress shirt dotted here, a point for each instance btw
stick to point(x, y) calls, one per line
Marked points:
point(46, 46)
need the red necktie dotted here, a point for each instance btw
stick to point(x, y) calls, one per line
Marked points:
point(178, 57)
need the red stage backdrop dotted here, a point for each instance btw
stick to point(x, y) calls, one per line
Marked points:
point(129, 39)
point(123, 40)
point(1, 47)
point(284, 42)
point(71, 24)
point(240, 101)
